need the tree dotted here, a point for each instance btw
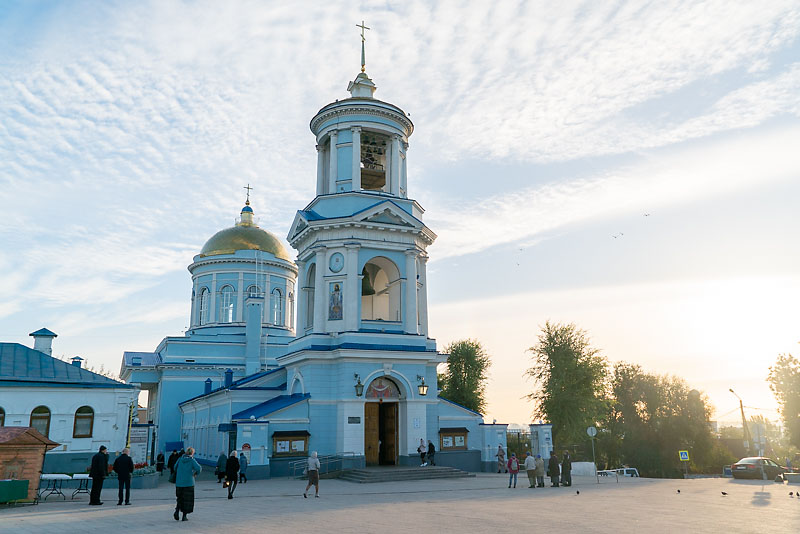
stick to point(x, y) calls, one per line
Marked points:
point(571, 376)
point(784, 381)
point(464, 379)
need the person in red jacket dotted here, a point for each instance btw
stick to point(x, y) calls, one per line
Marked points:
point(513, 469)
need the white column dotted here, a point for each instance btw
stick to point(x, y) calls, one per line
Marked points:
point(394, 175)
point(422, 301)
point(352, 289)
point(356, 174)
point(240, 298)
point(320, 291)
point(300, 298)
point(193, 319)
point(410, 325)
point(266, 312)
point(212, 312)
point(333, 175)
point(320, 170)
point(404, 172)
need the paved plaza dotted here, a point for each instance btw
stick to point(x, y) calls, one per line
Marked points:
point(480, 504)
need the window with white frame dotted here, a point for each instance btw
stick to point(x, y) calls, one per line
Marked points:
point(253, 291)
point(276, 307)
point(226, 295)
point(203, 315)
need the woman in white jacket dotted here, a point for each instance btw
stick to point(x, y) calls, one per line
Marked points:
point(313, 474)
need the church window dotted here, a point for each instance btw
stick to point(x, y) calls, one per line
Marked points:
point(203, 319)
point(453, 439)
point(290, 443)
point(84, 422)
point(309, 295)
point(276, 307)
point(253, 291)
point(40, 420)
point(226, 304)
point(373, 161)
point(2, 417)
point(380, 291)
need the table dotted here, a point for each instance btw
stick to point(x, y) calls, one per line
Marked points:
point(53, 485)
point(83, 484)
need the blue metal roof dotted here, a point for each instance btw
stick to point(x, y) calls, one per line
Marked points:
point(22, 365)
point(273, 405)
point(239, 384)
point(44, 332)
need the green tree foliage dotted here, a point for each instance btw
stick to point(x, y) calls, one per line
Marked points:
point(464, 380)
point(652, 417)
point(571, 376)
point(784, 381)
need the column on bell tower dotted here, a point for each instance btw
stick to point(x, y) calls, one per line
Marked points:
point(422, 299)
point(410, 321)
point(300, 297)
point(333, 167)
point(320, 293)
point(394, 175)
point(352, 288)
point(320, 170)
point(356, 173)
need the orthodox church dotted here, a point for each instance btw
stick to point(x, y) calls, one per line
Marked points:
point(330, 352)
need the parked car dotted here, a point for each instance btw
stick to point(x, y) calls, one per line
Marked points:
point(757, 467)
point(622, 471)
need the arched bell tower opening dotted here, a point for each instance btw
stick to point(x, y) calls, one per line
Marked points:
point(380, 291)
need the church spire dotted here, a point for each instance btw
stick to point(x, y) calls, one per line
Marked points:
point(362, 86)
point(363, 40)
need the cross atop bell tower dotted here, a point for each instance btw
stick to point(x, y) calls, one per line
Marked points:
point(363, 40)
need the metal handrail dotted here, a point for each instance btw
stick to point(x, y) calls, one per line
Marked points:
point(327, 463)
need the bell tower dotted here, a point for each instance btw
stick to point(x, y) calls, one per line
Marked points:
point(361, 242)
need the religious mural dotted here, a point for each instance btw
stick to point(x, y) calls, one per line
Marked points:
point(335, 302)
point(382, 388)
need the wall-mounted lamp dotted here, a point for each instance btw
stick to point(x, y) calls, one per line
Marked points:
point(422, 386)
point(359, 386)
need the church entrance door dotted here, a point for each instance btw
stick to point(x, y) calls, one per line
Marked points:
point(380, 433)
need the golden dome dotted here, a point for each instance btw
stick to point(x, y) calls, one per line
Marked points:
point(244, 236)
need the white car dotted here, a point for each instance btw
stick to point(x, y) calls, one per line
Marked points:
point(622, 471)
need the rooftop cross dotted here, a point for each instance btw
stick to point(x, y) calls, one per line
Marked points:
point(248, 194)
point(363, 39)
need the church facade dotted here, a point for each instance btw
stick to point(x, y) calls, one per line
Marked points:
point(330, 352)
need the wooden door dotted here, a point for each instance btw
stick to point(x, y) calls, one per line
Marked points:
point(389, 433)
point(371, 432)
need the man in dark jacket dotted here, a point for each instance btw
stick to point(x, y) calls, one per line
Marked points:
point(98, 472)
point(232, 473)
point(222, 461)
point(566, 469)
point(171, 461)
point(123, 467)
point(431, 452)
point(552, 470)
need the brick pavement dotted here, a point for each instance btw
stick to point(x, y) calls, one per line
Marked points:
point(481, 504)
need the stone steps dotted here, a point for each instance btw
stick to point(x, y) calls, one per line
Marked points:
point(365, 476)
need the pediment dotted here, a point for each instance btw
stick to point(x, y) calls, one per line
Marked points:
point(386, 216)
point(388, 213)
point(300, 223)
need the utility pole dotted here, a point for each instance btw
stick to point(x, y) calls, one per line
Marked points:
point(745, 431)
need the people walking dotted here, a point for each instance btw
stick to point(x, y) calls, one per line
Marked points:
point(530, 469)
point(422, 450)
point(160, 463)
point(171, 462)
point(501, 459)
point(186, 469)
point(539, 471)
point(123, 467)
point(553, 470)
point(431, 452)
point(243, 467)
point(222, 460)
point(313, 475)
point(566, 469)
point(98, 472)
point(231, 473)
point(513, 469)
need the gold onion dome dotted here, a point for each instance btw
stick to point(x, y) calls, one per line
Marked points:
point(246, 235)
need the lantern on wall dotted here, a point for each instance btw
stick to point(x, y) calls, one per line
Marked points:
point(422, 386)
point(359, 386)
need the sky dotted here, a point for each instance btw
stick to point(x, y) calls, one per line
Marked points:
point(633, 168)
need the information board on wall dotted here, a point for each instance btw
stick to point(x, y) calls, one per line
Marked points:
point(139, 443)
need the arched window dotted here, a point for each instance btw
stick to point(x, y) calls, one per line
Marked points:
point(40, 420)
point(2, 417)
point(226, 305)
point(276, 305)
point(309, 294)
point(253, 291)
point(203, 319)
point(380, 291)
point(84, 423)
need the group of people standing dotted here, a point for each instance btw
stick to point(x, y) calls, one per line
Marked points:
point(233, 469)
point(427, 453)
point(535, 468)
point(123, 467)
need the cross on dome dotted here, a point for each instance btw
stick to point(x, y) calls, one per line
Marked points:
point(247, 202)
point(363, 40)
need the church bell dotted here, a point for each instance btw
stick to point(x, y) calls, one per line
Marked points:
point(366, 284)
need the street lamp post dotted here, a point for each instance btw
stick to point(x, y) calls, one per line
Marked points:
point(745, 430)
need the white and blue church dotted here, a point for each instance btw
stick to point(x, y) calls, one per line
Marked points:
point(329, 352)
